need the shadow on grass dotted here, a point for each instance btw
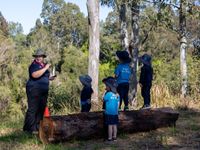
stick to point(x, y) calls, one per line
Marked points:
point(19, 136)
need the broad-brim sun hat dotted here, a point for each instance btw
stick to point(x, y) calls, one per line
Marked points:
point(111, 82)
point(39, 52)
point(85, 80)
point(123, 56)
point(145, 59)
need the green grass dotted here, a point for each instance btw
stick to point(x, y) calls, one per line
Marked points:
point(185, 135)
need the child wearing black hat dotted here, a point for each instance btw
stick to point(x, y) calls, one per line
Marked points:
point(111, 100)
point(86, 93)
point(122, 74)
point(146, 77)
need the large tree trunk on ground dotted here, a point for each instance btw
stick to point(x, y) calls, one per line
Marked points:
point(135, 11)
point(90, 125)
point(183, 46)
point(93, 21)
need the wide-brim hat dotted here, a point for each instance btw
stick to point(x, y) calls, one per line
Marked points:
point(85, 80)
point(123, 56)
point(145, 59)
point(111, 82)
point(39, 52)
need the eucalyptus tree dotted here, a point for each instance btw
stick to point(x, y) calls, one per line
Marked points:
point(94, 45)
point(121, 7)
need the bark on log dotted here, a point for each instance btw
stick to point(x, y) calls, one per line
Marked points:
point(90, 125)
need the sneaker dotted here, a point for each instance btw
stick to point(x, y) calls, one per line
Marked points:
point(109, 140)
point(114, 139)
point(35, 132)
point(126, 108)
point(146, 106)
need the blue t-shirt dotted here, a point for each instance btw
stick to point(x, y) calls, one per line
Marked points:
point(43, 81)
point(111, 103)
point(123, 73)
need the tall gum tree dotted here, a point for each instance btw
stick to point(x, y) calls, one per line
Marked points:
point(93, 68)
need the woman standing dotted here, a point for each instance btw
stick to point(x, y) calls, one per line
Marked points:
point(37, 89)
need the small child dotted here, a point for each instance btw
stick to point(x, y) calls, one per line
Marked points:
point(86, 93)
point(122, 74)
point(146, 77)
point(111, 100)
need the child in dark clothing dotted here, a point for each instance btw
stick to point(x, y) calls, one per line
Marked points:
point(122, 74)
point(146, 77)
point(86, 93)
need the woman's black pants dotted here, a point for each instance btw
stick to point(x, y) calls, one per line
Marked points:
point(37, 100)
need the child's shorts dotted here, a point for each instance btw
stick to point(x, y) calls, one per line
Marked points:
point(111, 119)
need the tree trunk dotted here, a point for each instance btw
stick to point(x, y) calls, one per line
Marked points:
point(135, 10)
point(123, 25)
point(90, 125)
point(93, 68)
point(183, 46)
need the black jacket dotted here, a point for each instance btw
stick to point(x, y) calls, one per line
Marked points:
point(146, 75)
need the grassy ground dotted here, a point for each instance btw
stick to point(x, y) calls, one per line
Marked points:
point(185, 136)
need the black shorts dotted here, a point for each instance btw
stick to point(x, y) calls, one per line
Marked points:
point(111, 119)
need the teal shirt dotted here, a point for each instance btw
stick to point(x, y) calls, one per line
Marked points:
point(111, 102)
point(123, 73)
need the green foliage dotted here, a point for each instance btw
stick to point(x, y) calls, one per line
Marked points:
point(64, 37)
point(65, 94)
point(167, 72)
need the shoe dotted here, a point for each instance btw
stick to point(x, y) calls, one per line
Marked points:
point(126, 108)
point(146, 106)
point(114, 139)
point(35, 132)
point(109, 140)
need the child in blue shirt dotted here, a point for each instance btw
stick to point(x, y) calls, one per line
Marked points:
point(122, 74)
point(111, 100)
point(86, 93)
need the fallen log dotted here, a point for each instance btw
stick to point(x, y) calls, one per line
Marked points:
point(90, 125)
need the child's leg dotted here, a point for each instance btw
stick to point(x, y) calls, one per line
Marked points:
point(148, 97)
point(126, 90)
point(110, 131)
point(114, 131)
point(120, 92)
point(105, 127)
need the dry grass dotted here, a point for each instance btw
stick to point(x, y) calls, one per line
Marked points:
point(185, 135)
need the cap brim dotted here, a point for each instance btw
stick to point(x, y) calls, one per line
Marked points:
point(39, 55)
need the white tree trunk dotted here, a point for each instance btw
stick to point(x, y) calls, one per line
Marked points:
point(183, 47)
point(135, 10)
point(123, 26)
point(93, 68)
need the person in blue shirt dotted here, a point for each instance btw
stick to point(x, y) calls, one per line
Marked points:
point(86, 93)
point(122, 74)
point(37, 89)
point(111, 100)
point(146, 77)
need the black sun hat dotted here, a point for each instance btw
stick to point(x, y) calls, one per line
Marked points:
point(145, 59)
point(39, 52)
point(85, 80)
point(111, 82)
point(123, 56)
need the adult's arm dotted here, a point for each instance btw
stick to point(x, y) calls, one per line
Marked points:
point(40, 72)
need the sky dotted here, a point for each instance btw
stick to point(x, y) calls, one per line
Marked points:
point(27, 11)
